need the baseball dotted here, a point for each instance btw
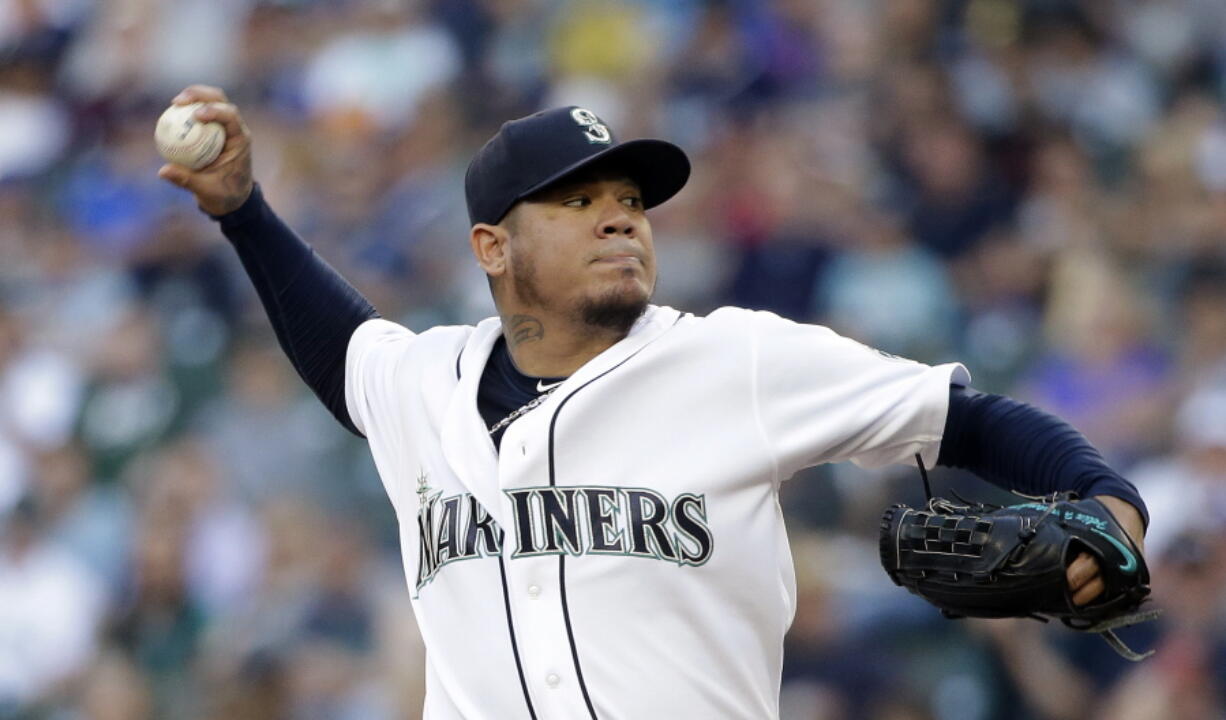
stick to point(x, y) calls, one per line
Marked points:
point(184, 140)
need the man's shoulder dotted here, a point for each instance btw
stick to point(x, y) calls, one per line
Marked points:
point(392, 336)
point(767, 329)
point(744, 319)
point(731, 324)
point(720, 315)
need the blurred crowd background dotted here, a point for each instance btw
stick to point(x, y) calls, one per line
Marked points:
point(1036, 188)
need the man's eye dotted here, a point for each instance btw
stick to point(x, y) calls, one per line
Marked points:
point(633, 201)
point(578, 201)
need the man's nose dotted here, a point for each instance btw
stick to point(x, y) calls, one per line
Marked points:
point(615, 219)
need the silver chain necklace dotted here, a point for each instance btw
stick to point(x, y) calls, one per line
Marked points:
point(525, 408)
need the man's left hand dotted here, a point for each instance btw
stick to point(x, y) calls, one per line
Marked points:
point(1084, 580)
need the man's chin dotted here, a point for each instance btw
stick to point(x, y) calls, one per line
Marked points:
point(615, 310)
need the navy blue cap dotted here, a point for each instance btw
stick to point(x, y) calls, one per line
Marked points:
point(533, 152)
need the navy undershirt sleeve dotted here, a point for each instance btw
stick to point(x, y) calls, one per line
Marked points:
point(313, 310)
point(1020, 447)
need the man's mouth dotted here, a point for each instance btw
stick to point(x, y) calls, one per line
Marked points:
point(619, 259)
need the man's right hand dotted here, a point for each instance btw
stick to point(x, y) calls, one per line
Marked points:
point(223, 185)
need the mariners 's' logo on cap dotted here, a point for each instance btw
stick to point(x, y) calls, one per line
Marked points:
point(593, 129)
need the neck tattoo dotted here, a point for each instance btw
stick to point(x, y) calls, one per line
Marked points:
point(520, 329)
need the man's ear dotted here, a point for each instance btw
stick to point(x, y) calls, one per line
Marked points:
point(489, 244)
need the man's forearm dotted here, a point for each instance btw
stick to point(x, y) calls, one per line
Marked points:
point(313, 310)
point(1022, 448)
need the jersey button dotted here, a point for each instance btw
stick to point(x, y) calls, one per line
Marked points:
point(552, 680)
point(534, 592)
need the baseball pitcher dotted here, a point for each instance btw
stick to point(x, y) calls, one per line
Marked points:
point(587, 484)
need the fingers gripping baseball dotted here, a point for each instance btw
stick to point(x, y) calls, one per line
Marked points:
point(224, 184)
point(201, 93)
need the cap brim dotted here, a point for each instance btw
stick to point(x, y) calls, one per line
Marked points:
point(658, 167)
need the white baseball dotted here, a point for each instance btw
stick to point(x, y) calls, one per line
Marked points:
point(184, 140)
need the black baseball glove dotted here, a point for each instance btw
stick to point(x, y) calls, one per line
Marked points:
point(993, 562)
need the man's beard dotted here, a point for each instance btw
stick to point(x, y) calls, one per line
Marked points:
point(615, 310)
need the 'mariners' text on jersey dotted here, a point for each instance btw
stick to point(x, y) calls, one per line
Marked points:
point(593, 520)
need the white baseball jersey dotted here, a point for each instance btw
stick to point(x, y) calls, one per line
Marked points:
point(624, 556)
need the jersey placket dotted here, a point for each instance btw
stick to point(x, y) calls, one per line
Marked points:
point(534, 583)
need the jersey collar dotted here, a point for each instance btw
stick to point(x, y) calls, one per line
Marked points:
point(465, 439)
